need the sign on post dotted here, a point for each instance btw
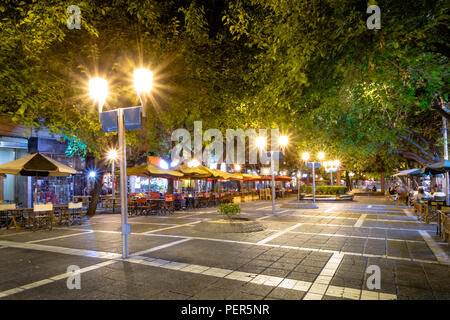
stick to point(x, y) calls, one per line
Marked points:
point(132, 118)
point(309, 165)
point(277, 155)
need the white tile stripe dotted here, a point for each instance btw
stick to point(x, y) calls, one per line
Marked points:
point(330, 209)
point(167, 245)
point(77, 252)
point(440, 255)
point(360, 221)
point(318, 216)
point(320, 285)
point(373, 210)
point(276, 235)
point(61, 237)
point(52, 279)
point(365, 227)
point(356, 237)
point(409, 213)
point(258, 279)
point(283, 246)
point(172, 227)
point(350, 293)
point(149, 223)
point(133, 258)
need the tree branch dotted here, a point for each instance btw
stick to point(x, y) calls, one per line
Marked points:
point(411, 141)
point(412, 156)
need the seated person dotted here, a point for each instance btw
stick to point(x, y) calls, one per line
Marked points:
point(421, 194)
point(437, 194)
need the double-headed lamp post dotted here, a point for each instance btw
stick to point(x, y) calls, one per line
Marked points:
point(305, 157)
point(261, 144)
point(332, 166)
point(98, 89)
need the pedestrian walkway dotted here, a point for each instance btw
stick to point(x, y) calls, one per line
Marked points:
point(319, 254)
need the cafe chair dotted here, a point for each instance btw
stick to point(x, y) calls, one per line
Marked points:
point(75, 210)
point(168, 205)
point(445, 226)
point(7, 215)
point(42, 216)
point(155, 205)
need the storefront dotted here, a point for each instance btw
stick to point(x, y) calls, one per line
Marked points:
point(14, 188)
point(58, 190)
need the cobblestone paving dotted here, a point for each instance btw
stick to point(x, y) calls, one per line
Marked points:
point(313, 254)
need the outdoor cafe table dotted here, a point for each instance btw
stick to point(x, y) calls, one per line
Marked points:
point(18, 219)
point(83, 199)
point(441, 212)
point(111, 202)
point(17, 215)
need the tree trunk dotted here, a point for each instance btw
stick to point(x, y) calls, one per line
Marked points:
point(170, 187)
point(95, 193)
point(348, 182)
point(382, 182)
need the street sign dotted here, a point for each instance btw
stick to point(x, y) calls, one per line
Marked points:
point(277, 155)
point(309, 165)
point(132, 119)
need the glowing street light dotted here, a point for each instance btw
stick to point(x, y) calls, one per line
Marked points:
point(321, 156)
point(143, 80)
point(112, 155)
point(260, 142)
point(193, 163)
point(98, 91)
point(283, 141)
point(305, 156)
point(92, 174)
point(237, 167)
point(163, 164)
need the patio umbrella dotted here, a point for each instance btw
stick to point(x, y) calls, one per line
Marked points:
point(409, 172)
point(437, 168)
point(218, 174)
point(250, 177)
point(198, 172)
point(150, 170)
point(37, 165)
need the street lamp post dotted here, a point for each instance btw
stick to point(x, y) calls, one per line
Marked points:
point(98, 89)
point(305, 157)
point(112, 156)
point(261, 143)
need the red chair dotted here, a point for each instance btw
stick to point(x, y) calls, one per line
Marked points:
point(169, 203)
point(141, 206)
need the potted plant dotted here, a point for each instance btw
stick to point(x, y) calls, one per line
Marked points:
point(231, 210)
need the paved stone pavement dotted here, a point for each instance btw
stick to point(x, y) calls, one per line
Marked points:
point(313, 254)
